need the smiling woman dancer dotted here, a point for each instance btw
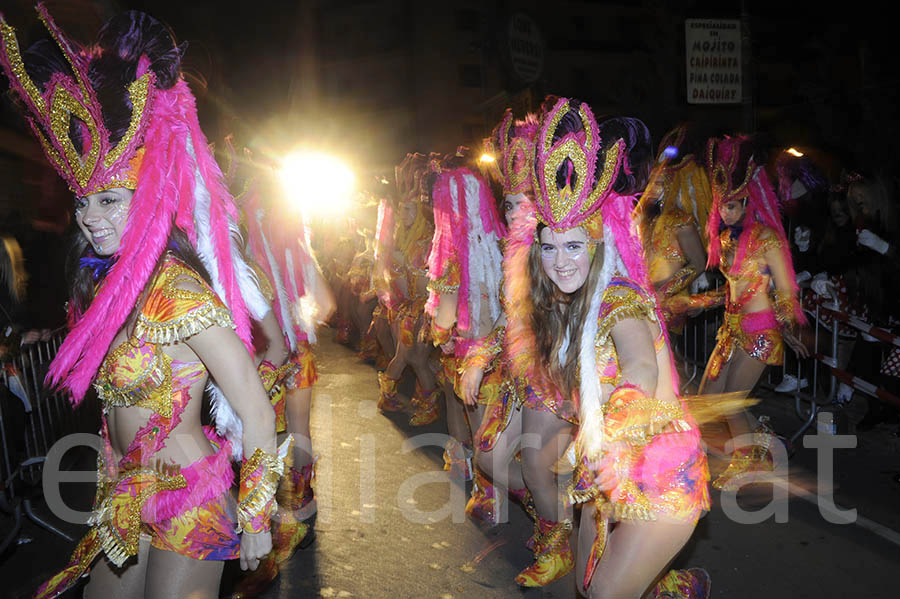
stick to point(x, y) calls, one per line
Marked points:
point(119, 124)
point(592, 325)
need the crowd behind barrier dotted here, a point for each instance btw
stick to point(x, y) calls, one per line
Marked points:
point(32, 419)
point(818, 377)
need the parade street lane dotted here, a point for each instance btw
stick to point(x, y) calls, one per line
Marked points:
point(385, 527)
point(381, 531)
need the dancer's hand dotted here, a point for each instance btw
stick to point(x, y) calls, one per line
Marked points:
point(612, 467)
point(254, 547)
point(795, 344)
point(471, 383)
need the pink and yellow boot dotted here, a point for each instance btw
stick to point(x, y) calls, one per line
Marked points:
point(755, 458)
point(692, 583)
point(387, 400)
point(426, 406)
point(368, 349)
point(290, 530)
point(553, 557)
point(483, 505)
point(255, 582)
point(308, 504)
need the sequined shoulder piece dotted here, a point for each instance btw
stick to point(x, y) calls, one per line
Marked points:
point(763, 239)
point(623, 298)
point(179, 305)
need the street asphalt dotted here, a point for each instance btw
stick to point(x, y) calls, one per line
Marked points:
point(391, 523)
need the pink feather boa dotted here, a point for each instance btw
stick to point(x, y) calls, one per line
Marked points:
point(521, 345)
point(451, 235)
point(206, 479)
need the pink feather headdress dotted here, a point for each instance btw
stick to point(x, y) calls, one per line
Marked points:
point(512, 145)
point(467, 231)
point(178, 183)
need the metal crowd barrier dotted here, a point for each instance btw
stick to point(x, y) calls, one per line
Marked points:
point(32, 419)
point(821, 370)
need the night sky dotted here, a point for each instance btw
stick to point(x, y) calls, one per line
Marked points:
point(830, 73)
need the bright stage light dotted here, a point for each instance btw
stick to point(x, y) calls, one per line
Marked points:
point(318, 183)
point(487, 158)
point(794, 152)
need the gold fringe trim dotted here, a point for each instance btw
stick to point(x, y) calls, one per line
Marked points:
point(285, 373)
point(582, 495)
point(199, 319)
point(256, 495)
point(167, 478)
point(438, 287)
point(632, 309)
point(631, 511)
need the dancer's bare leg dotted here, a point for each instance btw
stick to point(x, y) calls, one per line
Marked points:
point(500, 463)
point(171, 574)
point(457, 426)
point(398, 363)
point(418, 359)
point(636, 554)
point(108, 581)
point(362, 314)
point(545, 439)
point(739, 375)
point(298, 403)
point(385, 336)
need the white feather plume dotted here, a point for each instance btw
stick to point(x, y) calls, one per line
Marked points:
point(485, 259)
point(590, 432)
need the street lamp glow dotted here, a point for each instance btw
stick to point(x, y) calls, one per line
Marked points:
point(317, 183)
point(487, 158)
point(794, 152)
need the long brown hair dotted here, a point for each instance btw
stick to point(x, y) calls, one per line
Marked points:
point(554, 311)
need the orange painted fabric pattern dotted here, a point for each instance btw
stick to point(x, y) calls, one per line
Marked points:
point(306, 374)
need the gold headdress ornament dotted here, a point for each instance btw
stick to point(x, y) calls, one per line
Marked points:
point(69, 102)
point(511, 144)
point(723, 157)
point(574, 169)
